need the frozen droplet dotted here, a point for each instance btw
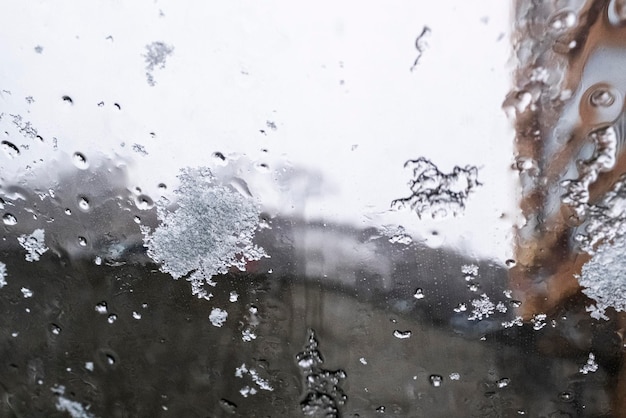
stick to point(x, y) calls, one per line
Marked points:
point(435, 380)
point(419, 293)
point(80, 161)
point(601, 97)
point(82, 241)
point(10, 149)
point(55, 329)
point(220, 158)
point(137, 219)
point(111, 318)
point(504, 382)
point(101, 307)
point(402, 334)
point(9, 219)
point(218, 317)
point(83, 203)
point(136, 315)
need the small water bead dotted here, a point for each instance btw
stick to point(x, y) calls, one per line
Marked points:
point(110, 359)
point(144, 202)
point(55, 329)
point(83, 203)
point(136, 315)
point(80, 161)
point(510, 263)
point(68, 100)
point(9, 219)
point(419, 293)
point(602, 98)
point(10, 149)
point(504, 382)
point(68, 212)
point(563, 20)
point(111, 318)
point(82, 241)
point(162, 187)
point(137, 219)
point(101, 307)
point(566, 396)
point(435, 380)
point(515, 303)
point(402, 335)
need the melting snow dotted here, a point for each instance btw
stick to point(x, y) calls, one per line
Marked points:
point(209, 232)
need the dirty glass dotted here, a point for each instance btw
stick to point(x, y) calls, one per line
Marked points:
point(319, 209)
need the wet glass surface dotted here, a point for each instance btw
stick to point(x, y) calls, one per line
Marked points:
point(324, 210)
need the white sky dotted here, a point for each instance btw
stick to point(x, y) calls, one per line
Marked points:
point(238, 64)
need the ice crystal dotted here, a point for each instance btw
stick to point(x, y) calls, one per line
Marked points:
point(209, 232)
point(155, 56)
point(590, 366)
point(34, 244)
point(435, 193)
point(483, 308)
point(603, 278)
point(218, 317)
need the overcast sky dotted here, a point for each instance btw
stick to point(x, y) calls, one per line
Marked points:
point(334, 77)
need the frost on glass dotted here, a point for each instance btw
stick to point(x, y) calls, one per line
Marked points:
point(323, 394)
point(209, 230)
point(33, 244)
point(435, 193)
point(603, 279)
point(155, 57)
point(3, 274)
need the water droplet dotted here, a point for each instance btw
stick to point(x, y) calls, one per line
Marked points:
point(68, 212)
point(220, 158)
point(110, 359)
point(601, 97)
point(137, 219)
point(55, 329)
point(101, 307)
point(136, 315)
point(510, 263)
point(381, 409)
point(98, 260)
point(566, 396)
point(82, 241)
point(83, 203)
point(9, 219)
point(100, 104)
point(67, 99)
point(504, 382)
point(563, 20)
point(435, 380)
point(402, 334)
point(228, 406)
point(162, 187)
point(111, 318)
point(143, 202)
point(419, 293)
point(515, 303)
point(10, 149)
point(80, 160)
point(118, 106)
